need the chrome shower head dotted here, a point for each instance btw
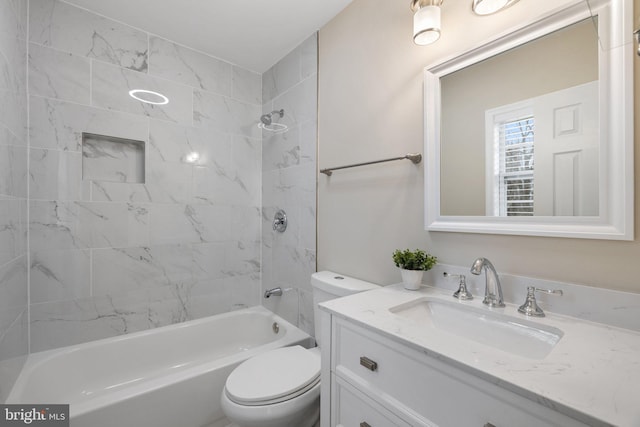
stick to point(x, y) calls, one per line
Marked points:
point(266, 119)
point(266, 122)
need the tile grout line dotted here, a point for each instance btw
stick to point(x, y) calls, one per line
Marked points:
point(27, 202)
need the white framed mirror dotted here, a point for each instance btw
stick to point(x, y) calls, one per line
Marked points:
point(532, 132)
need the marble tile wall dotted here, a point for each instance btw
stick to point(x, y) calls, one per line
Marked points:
point(14, 344)
point(289, 183)
point(111, 257)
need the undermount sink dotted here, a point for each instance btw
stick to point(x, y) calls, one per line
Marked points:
point(510, 334)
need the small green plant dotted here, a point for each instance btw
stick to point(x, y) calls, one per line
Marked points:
point(414, 260)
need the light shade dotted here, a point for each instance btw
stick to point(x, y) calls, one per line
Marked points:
point(487, 7)
point(426, 25)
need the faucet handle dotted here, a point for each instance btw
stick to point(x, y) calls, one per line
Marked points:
point(462, 293)
point(530, 306)
point(548, 291)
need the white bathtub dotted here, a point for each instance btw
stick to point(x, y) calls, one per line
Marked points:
point(170, 376)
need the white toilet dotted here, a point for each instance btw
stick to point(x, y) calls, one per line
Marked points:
point(281, 387)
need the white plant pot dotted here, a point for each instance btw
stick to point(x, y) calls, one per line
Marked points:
point(412, 279)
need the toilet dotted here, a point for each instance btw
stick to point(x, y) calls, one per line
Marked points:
point(281, 387)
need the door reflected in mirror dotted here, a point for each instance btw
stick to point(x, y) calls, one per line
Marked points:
point(520, 130)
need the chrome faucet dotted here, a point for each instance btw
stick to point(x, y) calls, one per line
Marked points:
point(492, 294)
point(273, 292)
point(462, 293)
point(530, 306)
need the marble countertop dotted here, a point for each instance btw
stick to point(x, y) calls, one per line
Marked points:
point(592, 374)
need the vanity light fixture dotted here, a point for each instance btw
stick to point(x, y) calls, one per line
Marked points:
point(487, 7)
point(426, 21)
point(148, 96)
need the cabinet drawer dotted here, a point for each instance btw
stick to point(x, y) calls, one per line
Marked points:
point(425, 388)
point(355, 409)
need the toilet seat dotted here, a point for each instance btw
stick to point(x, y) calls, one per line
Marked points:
point(274, 376)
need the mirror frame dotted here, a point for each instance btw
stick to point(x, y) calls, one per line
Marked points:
point(616, 218)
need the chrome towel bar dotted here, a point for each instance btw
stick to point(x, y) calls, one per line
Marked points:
point(414, 157)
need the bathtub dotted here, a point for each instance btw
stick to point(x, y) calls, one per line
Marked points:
point(170, 376)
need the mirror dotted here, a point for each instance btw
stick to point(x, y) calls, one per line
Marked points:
point(532, 133)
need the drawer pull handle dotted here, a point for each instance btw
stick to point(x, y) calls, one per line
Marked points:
point(369, 364)
point(365, 424)
point(489, 425)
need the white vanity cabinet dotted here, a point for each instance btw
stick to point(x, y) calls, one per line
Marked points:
point(379, 382)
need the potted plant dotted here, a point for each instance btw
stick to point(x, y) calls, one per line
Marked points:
point(412, 266)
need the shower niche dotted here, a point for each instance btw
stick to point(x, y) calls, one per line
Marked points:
point(112, 159)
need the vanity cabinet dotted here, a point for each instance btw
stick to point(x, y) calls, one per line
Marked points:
point(379, 382)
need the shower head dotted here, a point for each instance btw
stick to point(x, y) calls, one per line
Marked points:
point(267, 119)
point(266, 122)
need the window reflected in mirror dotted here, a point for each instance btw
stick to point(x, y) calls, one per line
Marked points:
point(520, 131)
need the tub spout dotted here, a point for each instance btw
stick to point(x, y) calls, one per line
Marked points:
point(275, 292)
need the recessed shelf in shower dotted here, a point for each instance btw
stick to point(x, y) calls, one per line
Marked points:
point(112, 159)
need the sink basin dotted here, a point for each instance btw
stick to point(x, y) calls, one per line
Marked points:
point(516, 336)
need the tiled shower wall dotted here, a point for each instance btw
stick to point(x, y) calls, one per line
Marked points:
point(289, 183)
point(111, 257)
point(13, 192)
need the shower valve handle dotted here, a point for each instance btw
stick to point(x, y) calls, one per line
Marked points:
point(280, 221)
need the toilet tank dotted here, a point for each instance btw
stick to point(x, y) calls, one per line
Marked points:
point(328, 285)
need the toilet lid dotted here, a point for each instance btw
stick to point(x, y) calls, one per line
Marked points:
point(274, 376)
